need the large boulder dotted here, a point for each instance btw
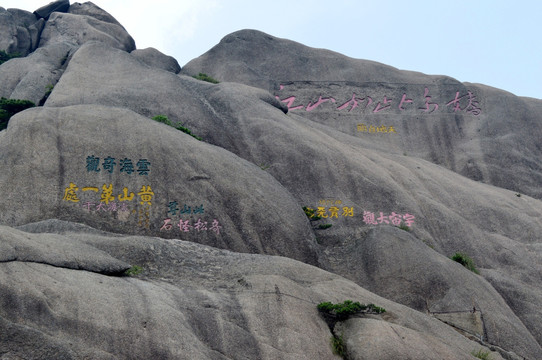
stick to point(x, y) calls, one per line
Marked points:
point(90, 9)
point(31, 77)
point(55, 6)
point(34, 76)
point(190, 302)
point(367, 339)
point(367, 146)
point(320, 165)
point(19, 31)
point(155, 58)
point(394, 264)
point(119, 171)
point(56, 250)
point(79, 29)
point(483, 133)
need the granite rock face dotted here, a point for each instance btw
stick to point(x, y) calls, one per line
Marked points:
point(59, 35)
point(155, 178)
point(482, 133)
point(155, 58)
point(19, 31)
point(190, 302)
point(55, 6)
point(92, 185)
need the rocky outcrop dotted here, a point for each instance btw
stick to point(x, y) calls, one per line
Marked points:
point(59, 34)
point(155, 58)
point(19, 31)
point(31, 77)
point(79, 29)
point(482, 133)
point(190, 302)
point(180, 189)
point(55, 6)
point(95, 186)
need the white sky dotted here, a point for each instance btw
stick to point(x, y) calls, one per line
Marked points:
point(493, 42)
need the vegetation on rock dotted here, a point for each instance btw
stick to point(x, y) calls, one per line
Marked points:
point(311, 214)
point(334, 313)
point(133, 271)
point(338, 345)
point(466, 261)
point(48, 90)
point(10, 107)
point(481, 354)
point(205, 77)
point(164, 119)
point(343, 311)
point(4, 56)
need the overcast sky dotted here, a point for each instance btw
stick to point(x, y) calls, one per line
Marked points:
point(493, 42)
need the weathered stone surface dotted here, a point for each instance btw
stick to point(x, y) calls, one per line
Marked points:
point(23, 17)
point(397, 266)
point(79, 29)
point(260, 215)
point(191, 302)
point(452, 213)
point(28, 78)
point(19, 31)
point(90, 9)
point(284, 129)
point(58, 6)
point(8, 31)
point(155, 58)
point(57, 251)
point(480, 132)
point(368, 339)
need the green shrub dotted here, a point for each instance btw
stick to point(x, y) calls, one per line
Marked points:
point(205, 77)
point(324, 226)
point(347, 309)
point(4, 56)
point(325, 307)
point(466, 261)
point(375, 309)
point(187, 131)
point(10, 107)
point(164, 119)
point(338, 345)
point(403, 226)
point(481, 354)
point(48, 90)
point(133, 271)
point(311, 214)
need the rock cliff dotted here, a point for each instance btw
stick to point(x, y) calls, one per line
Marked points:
point(204, 204)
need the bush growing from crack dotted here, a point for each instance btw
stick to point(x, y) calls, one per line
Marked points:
point(10, 107)
point(311, 213)
point(164, 120)
point(4, 56)
point(347, 308)
point(205, 77)
point(481, 354)
point(133, 271)
point(338, 345)
point(48, 90)
point(333, 313)
point(466, 261)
